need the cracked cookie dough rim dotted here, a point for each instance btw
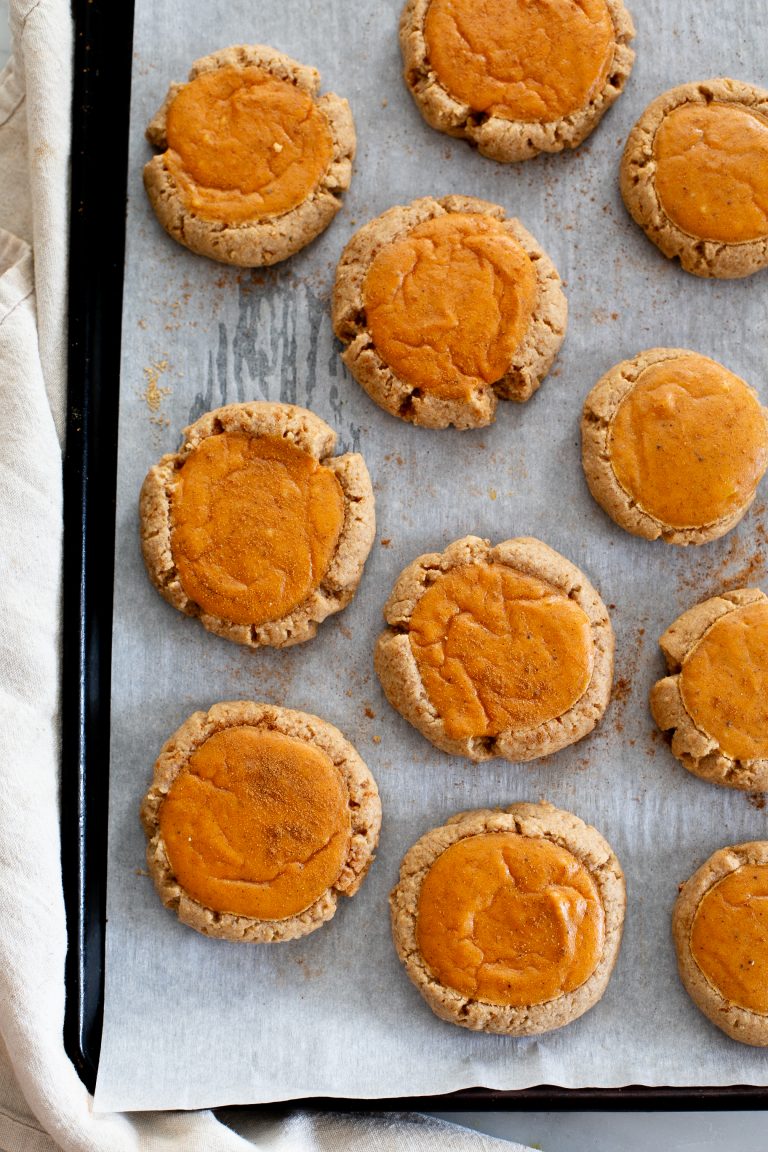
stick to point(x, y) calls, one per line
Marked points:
point(539, 821)
point(705, 258)
point(364, 805)
point(599, 411)
point(739, 1023)
point(311, 434)
point(534, 355)
point(698, 752)
point(396, 666)
point(508, 141)
point(268, 239)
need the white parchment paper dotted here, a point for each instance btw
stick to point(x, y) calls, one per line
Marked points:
point(191, 1022)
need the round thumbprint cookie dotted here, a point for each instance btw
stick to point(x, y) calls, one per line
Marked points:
point(720, 929)
point(257, 820)
point(252, 162)
point(446, 307)
point(510, 921)
point(254, 526)
point(714, 700)
point(496, 651)
point(516, 77)
point(674, 446)
point(694, 176)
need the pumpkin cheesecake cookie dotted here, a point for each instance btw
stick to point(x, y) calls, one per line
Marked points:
point(254, 526)
point(674, 446)
point(496, 651)
point(253, 161)
point(510, 921)
point(714, 701)
point(446, 307)
point(694, 176)
point(258, 819)
point(720, 929)
point(516, 77)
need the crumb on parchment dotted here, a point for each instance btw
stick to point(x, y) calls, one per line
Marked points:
point(154, 393)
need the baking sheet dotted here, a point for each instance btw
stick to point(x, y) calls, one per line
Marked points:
point(191, 1022)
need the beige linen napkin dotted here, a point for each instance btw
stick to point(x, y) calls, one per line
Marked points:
point(43, 1105)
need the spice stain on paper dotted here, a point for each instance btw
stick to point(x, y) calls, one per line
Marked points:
point(154, 393)
point(736, 561)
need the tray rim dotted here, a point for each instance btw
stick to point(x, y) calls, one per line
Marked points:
point(100, 120)
point(103, 46)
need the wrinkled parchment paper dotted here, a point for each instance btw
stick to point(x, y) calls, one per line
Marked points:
point(191, 1022)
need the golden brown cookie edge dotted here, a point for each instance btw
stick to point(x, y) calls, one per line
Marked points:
point(398, 673)
point(270, 239)
point(698, 752)
point(365, 811)
point(308, 432)
point(738, 1023)
point(600, 408)
point(538, 820)
point(704, 258)
point(533, 358)
point(508, 141)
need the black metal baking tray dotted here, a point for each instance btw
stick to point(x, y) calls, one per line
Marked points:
point(101, 99)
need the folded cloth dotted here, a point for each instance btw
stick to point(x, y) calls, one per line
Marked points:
point(43, 1104)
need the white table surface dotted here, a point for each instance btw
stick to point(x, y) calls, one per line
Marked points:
point(594, 1131)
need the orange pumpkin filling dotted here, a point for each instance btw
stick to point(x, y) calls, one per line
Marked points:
point(729, 937)
point(497, 650)
point(255, 524)
point(510, 919)
point(689, 443)
point(243, 144)
point(712, 171)
point(448, 305)
point(724, 682)
point(256, 824)
point(532, 60)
